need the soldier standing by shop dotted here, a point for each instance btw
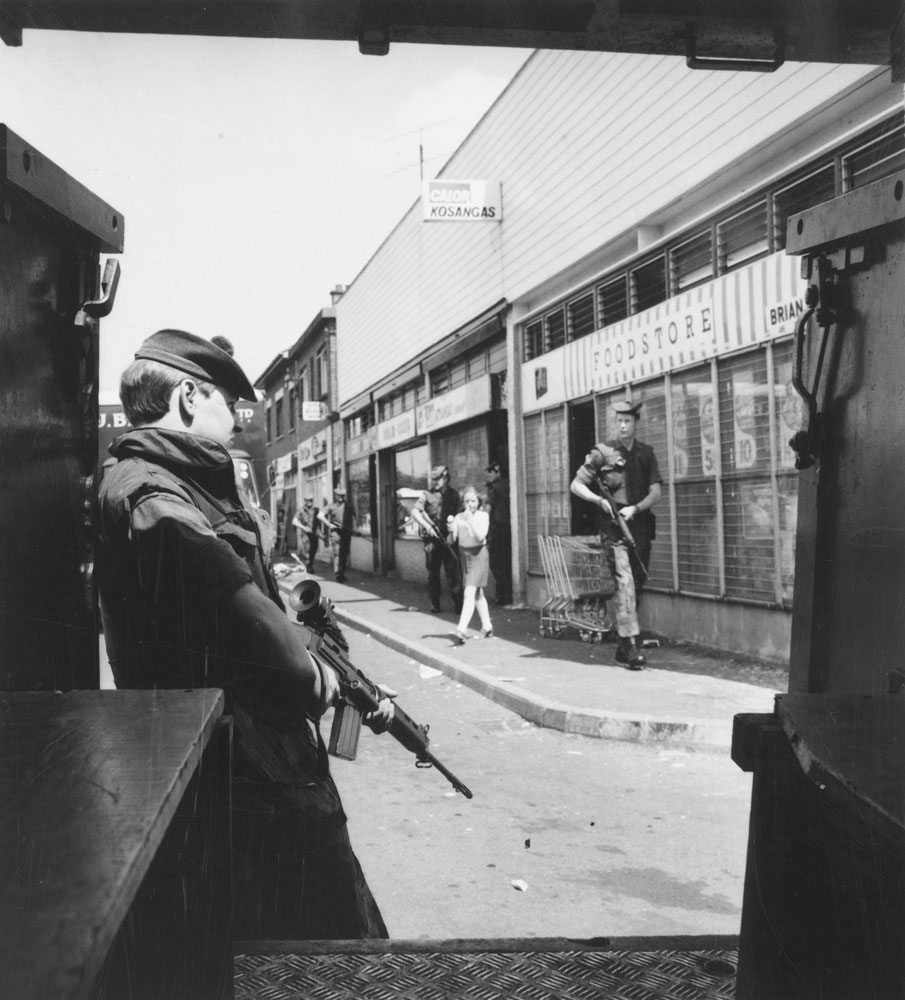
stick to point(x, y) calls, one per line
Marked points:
point(305, 522)
point(642, 486)
point(600, 481)
point(430, 513)
point(500, 540)
point(339, 519)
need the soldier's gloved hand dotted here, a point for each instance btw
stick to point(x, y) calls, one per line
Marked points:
point(380, 719)
point(629, 512)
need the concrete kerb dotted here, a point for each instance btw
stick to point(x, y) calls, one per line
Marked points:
point(702, 733)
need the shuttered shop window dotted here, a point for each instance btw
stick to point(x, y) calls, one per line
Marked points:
point(748, 501)
point(743, 237)
point(694, 467)
point(547, 488)
point(612, 301)
point(533, 340)
point(692, 261)
point(580, 314)
point(649, 284)
point(813, 189)
point(554, 330)
point(882, 152)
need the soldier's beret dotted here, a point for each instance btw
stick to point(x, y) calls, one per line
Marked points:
point(627, 409)
point(196, 356)
point(493, 467)
point(439, 470)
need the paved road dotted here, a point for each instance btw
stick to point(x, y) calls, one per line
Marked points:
point(606, 838)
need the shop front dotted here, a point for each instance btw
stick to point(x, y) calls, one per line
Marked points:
point(391, 464)
point(283, 502)
point(713, 369)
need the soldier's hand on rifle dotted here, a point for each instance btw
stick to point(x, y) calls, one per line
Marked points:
point(330, 691)
point(380, 719)
point(606, 506)
point(629, 511)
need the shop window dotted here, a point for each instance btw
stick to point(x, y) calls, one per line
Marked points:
point(812, 189)
point(411, 481)
point(744, 414)
point(652, 429)
point(748, 496)
point(789, 406)
point(533, 340)
point(880, 153)
point(612, 301)
point(359, 486)
point(580, 315)
point(743, 237)
point(440, 380)
point(648, 284)
point(692, 261)
point(694, 464)
point(458, 373)
point(319, 379)
point(554, 330)
point(548, 510)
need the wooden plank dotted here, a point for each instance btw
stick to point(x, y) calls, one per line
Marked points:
point(90, 781)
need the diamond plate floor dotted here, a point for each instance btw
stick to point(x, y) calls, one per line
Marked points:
point(536, 975)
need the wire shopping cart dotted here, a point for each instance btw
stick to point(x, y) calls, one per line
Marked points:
point(579, 585)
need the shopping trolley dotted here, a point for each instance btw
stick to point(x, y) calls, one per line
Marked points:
point(579, 584)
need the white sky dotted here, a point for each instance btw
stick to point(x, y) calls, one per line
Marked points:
point(254, 175)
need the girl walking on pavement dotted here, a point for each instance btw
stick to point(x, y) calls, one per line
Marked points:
point(470, 530)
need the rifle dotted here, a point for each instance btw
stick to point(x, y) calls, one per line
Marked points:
point(359, 693)
point(629, 540)
point(425, 521)
point(332, 525)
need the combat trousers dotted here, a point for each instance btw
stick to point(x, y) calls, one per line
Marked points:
point(437, 556)
point(624, 600)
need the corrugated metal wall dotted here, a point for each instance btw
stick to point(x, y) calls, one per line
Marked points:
point(587, 146)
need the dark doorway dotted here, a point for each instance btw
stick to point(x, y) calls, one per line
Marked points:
point(582, 435)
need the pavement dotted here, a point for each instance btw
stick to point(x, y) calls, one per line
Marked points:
point(686, 695)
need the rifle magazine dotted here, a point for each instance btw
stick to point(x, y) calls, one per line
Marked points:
point(344, 732)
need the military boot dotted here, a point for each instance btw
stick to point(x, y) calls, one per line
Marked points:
point(629, 652)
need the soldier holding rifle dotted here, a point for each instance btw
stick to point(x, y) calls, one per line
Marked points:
point(601, 481)
point(339, 518)
point(430, 513)
point(187, 601)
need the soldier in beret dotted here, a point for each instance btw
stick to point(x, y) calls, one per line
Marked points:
point(643, 484)
point(601, 481)
point(187, 601)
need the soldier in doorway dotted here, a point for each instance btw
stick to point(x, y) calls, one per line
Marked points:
point(500, 539)
point(643, 486)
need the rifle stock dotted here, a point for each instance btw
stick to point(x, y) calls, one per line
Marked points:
point(360, 695)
